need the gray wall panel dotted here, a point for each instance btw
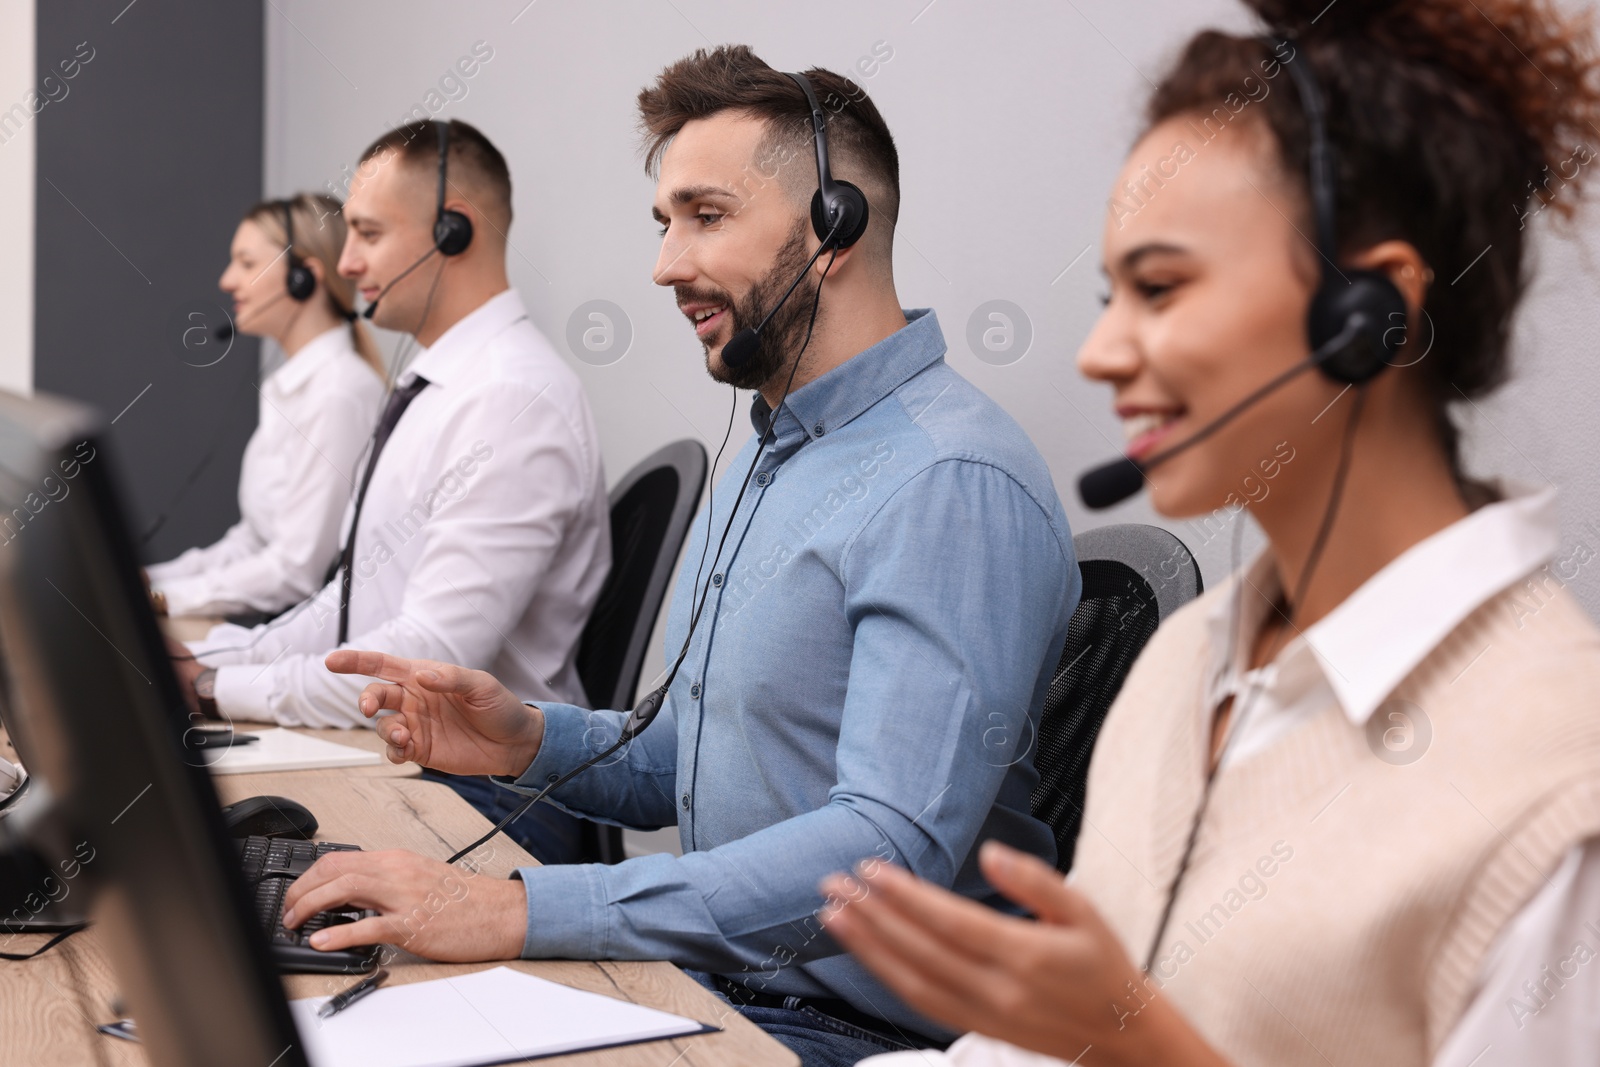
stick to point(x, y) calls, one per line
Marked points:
point(144, 168)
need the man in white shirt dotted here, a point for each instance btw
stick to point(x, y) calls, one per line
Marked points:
point(481, 531)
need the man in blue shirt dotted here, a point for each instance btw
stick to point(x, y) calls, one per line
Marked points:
point(879, 629)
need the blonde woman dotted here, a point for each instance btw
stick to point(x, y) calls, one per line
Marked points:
point(317, 412)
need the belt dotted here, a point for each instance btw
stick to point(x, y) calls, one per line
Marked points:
point(842, 1010)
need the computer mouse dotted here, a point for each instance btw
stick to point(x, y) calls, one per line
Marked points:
point(269, 817)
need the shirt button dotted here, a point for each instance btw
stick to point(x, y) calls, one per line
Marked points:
point(763, 478)
point(817, 429)
point(716, 580)
point(694, 691)
point(686, 802)
point(552, 777)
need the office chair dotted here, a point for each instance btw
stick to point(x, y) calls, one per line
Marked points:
point(651, 508)
point(1134, 576)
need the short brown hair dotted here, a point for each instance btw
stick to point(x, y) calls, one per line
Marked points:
point(733, 78)
point(1452, 123)
point(473, 157)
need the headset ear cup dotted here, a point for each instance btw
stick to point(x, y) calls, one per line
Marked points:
point(854, 203)
point(452, 233)
point(1376, 302)
point(301, 282)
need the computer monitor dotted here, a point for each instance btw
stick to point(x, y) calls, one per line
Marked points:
point(123, 810)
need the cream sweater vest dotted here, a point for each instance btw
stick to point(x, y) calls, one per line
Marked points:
point(1338, 908)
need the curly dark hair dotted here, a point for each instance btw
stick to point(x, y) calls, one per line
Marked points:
point(1454, 123)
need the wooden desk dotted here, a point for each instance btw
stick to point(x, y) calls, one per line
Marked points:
point(195, 627)
point(49, 1006)
point(190, 627)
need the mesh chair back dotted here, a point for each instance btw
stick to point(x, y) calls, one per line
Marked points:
point(651, 509)
point(650, 513)
point(1133, 577)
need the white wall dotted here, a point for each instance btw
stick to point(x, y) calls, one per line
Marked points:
point(1011, 121)
point(16, 199)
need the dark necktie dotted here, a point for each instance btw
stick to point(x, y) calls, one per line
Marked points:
point(399, 400)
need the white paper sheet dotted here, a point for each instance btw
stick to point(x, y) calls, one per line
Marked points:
point(285, 750)
point(492, 1016)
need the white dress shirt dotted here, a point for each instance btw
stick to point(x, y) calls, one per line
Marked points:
point(317, 411)
point(484, 538)
point(1356, 655)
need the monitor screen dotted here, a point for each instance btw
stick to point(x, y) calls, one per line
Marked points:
point(126, 816)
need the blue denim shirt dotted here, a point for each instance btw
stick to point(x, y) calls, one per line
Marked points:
point(866, 681)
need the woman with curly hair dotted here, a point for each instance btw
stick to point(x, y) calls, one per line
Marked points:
point(1346, 808)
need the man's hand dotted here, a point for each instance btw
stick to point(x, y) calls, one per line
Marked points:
point(1062, 985)
point(188, 669)
point(449, 718)
point(426, 907)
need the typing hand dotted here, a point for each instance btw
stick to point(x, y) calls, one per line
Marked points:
point(1059, 985)
point(449, 718)
point(444, 913)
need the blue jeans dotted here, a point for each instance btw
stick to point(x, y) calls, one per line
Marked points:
point(819, 1040)
point(549, 834)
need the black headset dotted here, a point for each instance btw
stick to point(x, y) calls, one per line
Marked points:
point(838, 209)
point(1355, 305)
point(300, 282)
point(1364, 302)
point(452, 231)
point(839, 217)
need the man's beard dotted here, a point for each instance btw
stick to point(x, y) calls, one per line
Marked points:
point(783, 335)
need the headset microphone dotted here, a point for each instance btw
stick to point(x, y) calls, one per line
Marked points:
point(372, 308)
point(743, 346)
point(839, 217)
point(452, 231)
point(1350, 323)
point(1112, 483)
point(224, 331)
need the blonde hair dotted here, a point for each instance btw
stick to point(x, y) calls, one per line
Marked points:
point(319, 234)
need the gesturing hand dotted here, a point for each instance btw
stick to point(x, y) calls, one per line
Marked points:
point(1059, 985)
point(449, 718)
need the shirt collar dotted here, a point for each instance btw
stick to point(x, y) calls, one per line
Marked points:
point(316, 353)
point(833, 400)
point(443, 360)
point(1367, 645)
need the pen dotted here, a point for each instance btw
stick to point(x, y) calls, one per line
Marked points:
point(340, 1001)
point(123, 1028)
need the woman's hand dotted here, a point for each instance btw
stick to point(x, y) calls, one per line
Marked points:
point(448, 718)
point(1062, 985)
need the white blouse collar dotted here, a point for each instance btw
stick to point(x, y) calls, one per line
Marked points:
point(301, 367)
point(1367, 646)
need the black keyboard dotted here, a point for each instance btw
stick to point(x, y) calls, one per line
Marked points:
point(270, 864)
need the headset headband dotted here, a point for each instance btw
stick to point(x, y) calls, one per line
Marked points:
point(288, 229)
point(1322, 169)
point(444, 161)
point(820, 138)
